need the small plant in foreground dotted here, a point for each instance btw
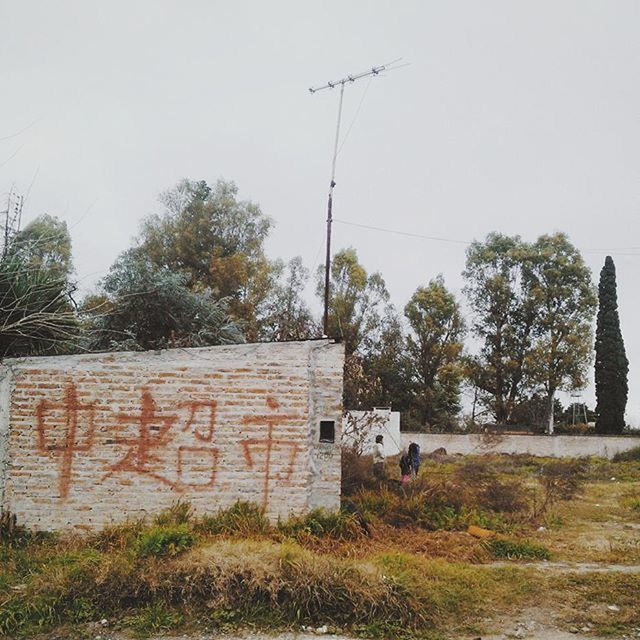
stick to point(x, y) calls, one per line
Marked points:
point(11, 531)
point(117, 536)
point(164, 541)
point(517, 549)
point(560, 481)
point(336, 525)
point(178, 513)
point(153, 618)
point(628, 456)
point(242, 518)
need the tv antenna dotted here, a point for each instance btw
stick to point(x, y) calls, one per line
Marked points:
point(373, 72)
point(12, 218)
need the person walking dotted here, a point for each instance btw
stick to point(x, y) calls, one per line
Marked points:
point(406, 467)
point(378, 458)
point(414, 454)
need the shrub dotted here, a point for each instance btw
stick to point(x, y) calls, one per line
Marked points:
point(10, 531)
point(178, 513)
point(506, 497)
point(336, 525)
point(579, 429)
point(474, 471)
point(561, 481)
point(164, 541)
point(356, 472)
point(242, 518)
point(441, 505)
point(153, 618)
point(632, 502)
point(628, 456)
point(517, 549)
point(117, 536)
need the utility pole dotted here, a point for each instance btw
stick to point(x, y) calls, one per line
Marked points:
point(374, 71)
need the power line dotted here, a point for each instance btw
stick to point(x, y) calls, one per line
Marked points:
point(401, 233)
point(17, 133)
point(618, 251)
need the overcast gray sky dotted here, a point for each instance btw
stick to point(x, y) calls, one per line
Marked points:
point(521, 117)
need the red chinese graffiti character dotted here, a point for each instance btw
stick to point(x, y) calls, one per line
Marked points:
point(139, 458)
point(194, 407)
point(267, 445)
point(198, 459)
point(72, 408)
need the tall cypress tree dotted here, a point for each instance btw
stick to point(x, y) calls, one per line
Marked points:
point(612, 365)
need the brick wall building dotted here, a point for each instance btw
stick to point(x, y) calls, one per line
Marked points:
point(93, 439)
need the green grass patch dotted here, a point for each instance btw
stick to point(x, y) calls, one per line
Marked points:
point(154, 618)
point(517, 549)
point(164, 541)
point(322, 523)
point(632, 503)
point(242, 518)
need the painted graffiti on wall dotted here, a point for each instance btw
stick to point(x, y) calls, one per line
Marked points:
point(76, 437)
point(266, 445)
point(66, 429)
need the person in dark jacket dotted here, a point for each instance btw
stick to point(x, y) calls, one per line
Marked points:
point(406, 468)
point(414, 454)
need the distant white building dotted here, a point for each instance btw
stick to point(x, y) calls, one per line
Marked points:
point(360, 428)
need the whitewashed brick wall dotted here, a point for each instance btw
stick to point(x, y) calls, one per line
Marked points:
point(94, 439)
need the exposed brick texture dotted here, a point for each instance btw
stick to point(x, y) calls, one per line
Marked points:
point(94, 439)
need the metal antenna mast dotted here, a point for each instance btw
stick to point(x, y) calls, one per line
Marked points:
point(13, 217)
point(374, 71)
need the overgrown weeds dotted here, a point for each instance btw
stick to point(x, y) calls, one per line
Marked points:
point(164, 541)
point(321, 523)
point(242, 518)
point(446, 504)
point(257, 581)
point(560, 480)
point(628, 456)
point(178, 513)
point(153, 618)
point(517, 549)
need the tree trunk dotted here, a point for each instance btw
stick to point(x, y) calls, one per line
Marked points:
point(551, 396)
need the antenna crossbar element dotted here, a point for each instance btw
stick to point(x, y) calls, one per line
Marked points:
point(374, 71)
point(12, 218)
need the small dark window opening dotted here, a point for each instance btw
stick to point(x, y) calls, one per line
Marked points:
point(327, 431)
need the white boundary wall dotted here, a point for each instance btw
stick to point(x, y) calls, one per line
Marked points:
point(542, 445)
point(378, 421)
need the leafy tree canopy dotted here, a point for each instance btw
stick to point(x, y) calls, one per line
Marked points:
point(37, 312)
point(287, 315)
point(44, 244)
point(434, 347)
point(504, 318)
point(143, 306)
point(559, 284)
point(217, 242)
point(357, 301)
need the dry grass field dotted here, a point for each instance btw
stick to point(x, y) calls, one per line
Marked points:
point(558, 553)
